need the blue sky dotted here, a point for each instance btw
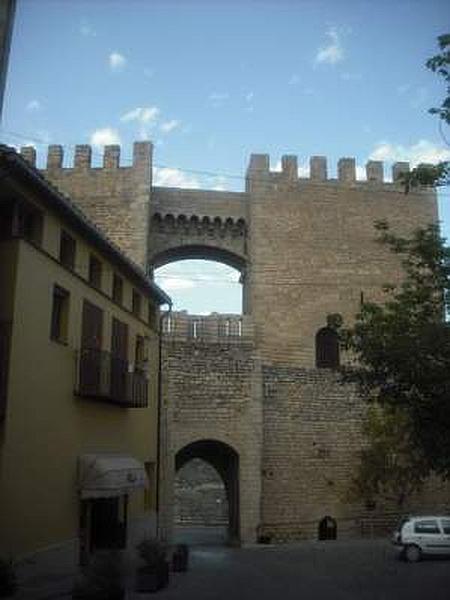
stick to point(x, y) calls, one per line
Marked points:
point(211, 82)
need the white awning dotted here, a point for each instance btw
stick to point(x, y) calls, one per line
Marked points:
point(107, 475)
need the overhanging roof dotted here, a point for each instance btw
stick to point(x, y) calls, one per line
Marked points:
point(109, 475)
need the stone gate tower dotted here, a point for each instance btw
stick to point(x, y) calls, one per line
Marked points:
point(258, 395)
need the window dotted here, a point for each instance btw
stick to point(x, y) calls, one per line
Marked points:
point(67, 250)
point(91, 326)
point(152, 315)
point(327, 349)
point(136, 303)
point(430, 526)
point(93, 369)
point(224, 327)
point(195, 329)
point(60, 315)
point(95, 272)
point(446, 526)
point(119, 361)
point(167, 323)
point(141, 351)
point(117, 289)
point(31, 223)
point(6, 219)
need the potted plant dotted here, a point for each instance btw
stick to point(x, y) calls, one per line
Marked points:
point(153, 574)
point(180, 558)
point(8, 581)
point(102, 579)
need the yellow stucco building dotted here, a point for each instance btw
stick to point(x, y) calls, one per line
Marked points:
point(79, 366)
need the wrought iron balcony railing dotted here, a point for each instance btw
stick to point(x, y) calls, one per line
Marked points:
point(104, 377)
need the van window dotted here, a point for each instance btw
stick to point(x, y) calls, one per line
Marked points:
point(429, 526)
point(446, 525)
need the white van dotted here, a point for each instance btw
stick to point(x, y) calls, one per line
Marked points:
point(417, 536)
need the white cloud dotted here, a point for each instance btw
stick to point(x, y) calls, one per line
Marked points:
point(169, 126)
point(168, 177)
point(86, 29)
point(249, 101)
point(423, 151)
point(217, 99)
point(145, 115)
point(333, 53)
point(117, 61)
point(33, 105)
point(171, 284)
point(105, 137)
point(220, 184)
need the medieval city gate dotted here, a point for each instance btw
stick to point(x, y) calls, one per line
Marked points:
point(305, 248)
point(226, 462)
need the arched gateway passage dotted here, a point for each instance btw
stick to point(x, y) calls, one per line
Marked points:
point(225, 461)
point(168, 265)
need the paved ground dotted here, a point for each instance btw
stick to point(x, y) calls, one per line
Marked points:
point(362, 570)
point(335, 570)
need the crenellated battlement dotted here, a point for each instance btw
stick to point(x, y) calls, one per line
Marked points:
point(114, 197)
point(259, 169)
point(82, 158)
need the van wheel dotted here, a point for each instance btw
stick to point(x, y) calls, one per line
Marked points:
point(412, 553)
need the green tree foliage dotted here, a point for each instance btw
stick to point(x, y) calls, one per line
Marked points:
point(391, 467)
point(440, 64)
point(435, 175)
point(402, 349)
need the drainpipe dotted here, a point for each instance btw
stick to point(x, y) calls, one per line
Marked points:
point(158, 432)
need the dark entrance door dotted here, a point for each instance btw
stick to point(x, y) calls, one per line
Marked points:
point(119, 361)
point(327, 529)
point(108, 523)
point(91, 354)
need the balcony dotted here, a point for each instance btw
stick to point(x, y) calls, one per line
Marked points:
point(106, 378)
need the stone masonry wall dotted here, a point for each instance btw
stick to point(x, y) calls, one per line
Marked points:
point(115, 198)
point(312, 435)
point(212, 391)
point(312, 439)
point(313, 252)
point(200, 497)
